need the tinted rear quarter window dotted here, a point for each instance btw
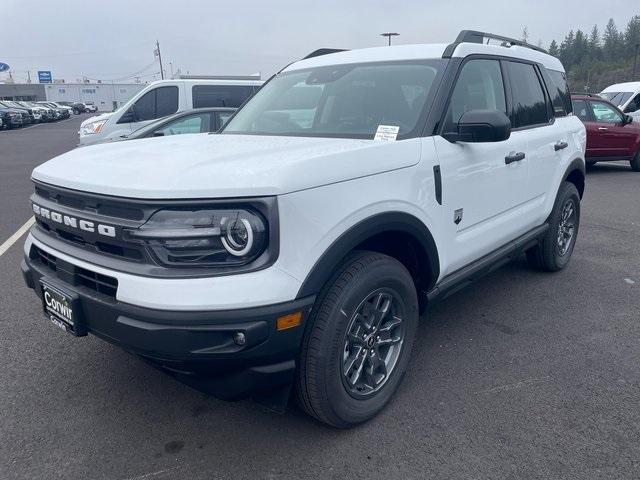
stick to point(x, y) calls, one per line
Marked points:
point(220, 95)
point(529, 102)
point(560, 95)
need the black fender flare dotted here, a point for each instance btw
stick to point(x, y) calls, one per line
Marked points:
point(577, 164)
point(365, 229)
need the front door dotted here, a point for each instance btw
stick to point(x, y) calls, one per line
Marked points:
point(611, 138)
point(482, 192)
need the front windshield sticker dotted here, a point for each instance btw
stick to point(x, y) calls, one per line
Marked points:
point(387, 133)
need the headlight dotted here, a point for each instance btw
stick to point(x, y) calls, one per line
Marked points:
point(92, 128)
point(204, 237)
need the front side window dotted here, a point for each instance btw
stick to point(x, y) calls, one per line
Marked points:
point(348, 101)
point(156, 103)
point(192, 124)
point(479, 87)
point(617, 98)
point(634, 105)
point(604, 113)
point(580, 110)
point(529, 103)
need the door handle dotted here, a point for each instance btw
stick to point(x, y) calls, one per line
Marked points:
point(514, 157)
point(560, 146)
point(603, 129)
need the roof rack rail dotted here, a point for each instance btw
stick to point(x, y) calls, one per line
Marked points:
point(324, 51)
point(474, 36)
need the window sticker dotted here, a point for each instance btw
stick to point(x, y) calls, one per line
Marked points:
point(387, 133)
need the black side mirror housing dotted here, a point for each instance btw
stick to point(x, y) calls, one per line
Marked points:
point(481, 126)
point(627, 120)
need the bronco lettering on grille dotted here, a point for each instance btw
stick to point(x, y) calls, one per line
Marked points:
point(73, 222)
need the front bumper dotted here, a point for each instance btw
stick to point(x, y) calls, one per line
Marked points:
point(197, 347)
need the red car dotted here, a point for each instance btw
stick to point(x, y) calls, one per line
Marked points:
point(611, 135)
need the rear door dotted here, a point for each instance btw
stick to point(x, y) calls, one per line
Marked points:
point(535, 124)
point(613, 139)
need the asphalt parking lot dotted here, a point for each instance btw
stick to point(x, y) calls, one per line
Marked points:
point(522, 376)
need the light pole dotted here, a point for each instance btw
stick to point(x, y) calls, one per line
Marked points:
point(389, 35)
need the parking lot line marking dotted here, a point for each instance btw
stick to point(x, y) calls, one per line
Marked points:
point(16, 236)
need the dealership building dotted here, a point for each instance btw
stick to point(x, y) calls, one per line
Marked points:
point(106, 96)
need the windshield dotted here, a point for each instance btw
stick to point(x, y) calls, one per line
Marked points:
point(348, 101)
point(617, 98)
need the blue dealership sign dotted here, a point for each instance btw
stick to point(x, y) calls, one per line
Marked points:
point(44, 76)
point(4, 67)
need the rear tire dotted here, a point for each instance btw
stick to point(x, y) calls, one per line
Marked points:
point(635, 163)
point(358, 341)
point(555, 248)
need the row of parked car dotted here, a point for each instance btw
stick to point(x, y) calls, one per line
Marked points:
point(18, 113)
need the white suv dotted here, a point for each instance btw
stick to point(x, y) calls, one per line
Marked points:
point(299, 247)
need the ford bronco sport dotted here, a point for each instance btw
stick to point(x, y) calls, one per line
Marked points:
point(298, 248)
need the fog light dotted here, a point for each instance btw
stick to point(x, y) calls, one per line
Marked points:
point(239, 338)
point(289, 321)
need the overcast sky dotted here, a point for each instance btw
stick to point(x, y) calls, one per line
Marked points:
point(113, 39)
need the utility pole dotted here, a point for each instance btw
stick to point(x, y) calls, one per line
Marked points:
point(28, 76)
point(389, 35)
point(635, 61)
point(160, 59)
point(171, 67)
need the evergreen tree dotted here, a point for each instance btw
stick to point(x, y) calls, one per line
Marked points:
point(611, 40)
point(553, 48)
point(631, 37)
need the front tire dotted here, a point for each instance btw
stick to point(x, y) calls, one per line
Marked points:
point(358, 341)
point(635, 163)
point(555, 248)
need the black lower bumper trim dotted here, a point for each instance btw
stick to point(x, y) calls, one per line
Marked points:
point(198, 347)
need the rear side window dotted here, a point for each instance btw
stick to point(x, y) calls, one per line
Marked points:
point(559, 92)
point(529, 102)
point(156, 103)
point(221, 95)
point(580, 110)
point(479, 87)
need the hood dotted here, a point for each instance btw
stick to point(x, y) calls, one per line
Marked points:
point(95, 118)
point(222, 166)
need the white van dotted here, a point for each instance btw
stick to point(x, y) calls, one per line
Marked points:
point(166, 97)
point(626, 96)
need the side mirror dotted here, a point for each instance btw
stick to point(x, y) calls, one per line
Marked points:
point(481, 126)
point(627, 119)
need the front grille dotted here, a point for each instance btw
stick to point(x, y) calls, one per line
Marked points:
point(75, 275)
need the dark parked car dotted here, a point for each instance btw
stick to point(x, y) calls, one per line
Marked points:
point(10, 118)
point(27, 116)
point(201, 120)
point(611, 134)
